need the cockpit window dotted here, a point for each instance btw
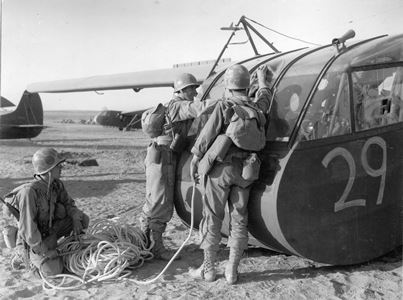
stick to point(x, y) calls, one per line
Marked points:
point(292, 92)
point(378, 97)
point(377, 51)
point(217, 90)
point(275, 66)
point(328, 113)
point(376, 91)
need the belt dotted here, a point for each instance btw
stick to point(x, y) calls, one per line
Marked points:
point(237, 154)
point(163, 140)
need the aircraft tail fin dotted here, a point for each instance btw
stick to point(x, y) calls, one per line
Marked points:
point(29, 110)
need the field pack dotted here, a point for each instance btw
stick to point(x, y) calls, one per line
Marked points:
point(247, 128)
point(10, 208)
point(152, 120)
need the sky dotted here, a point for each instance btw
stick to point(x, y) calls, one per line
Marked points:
point(45, 40)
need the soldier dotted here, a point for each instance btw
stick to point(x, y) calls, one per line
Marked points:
point(162, 155)
point(229, 180)
point(46, 212)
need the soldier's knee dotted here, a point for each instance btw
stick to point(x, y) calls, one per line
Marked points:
point(52, 267)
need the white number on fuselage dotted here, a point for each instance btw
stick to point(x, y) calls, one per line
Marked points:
point(339, 151)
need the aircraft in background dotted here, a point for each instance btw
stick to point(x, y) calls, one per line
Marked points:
point(330, 185)
point(26, 121)
point(4, 103)
point(120, 119)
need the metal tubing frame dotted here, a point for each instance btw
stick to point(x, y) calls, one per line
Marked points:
point(247, 27)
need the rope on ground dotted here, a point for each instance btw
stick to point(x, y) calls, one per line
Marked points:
point(180, 248)
point(107, 250)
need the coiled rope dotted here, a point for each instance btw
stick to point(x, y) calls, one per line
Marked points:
point(107, 250)
point(180, 248)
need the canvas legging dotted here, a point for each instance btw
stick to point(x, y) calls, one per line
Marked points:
point(225, 184)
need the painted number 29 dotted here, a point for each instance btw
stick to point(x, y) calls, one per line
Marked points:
point(381, 172)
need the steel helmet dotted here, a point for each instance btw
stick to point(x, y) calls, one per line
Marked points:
point(184, 80)
point(237, 78)
point(45, 159)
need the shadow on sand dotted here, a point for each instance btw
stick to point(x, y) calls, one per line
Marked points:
point(387, 262)
point(70, 143)
point(76, 188)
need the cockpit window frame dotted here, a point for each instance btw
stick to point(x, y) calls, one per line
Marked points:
point(281, 76)
point(354, 69)
point(294, 134)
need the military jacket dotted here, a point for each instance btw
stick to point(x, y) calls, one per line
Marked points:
point(181, 113)
point(38, 209)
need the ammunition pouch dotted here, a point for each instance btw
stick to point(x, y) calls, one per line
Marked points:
point(251, 167)
point(153, 154)
point(10, 236)
point(179, 143)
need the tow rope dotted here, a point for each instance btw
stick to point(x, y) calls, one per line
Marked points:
point(107, 250)
point(180, 248)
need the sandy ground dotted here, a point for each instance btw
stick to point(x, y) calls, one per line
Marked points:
point(116, 189)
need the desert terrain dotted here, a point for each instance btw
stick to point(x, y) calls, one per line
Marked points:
point(115, 189)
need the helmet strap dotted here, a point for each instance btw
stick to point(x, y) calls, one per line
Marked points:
point(49, 196)
point(39, 177)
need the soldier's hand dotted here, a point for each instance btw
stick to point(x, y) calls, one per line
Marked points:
point(168, 128)
point(51, 254)
point(77, 227)
point(264, 75)
point(261, 74)
point(19, 250)
point(193, 169)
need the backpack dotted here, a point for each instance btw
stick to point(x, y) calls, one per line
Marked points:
point(10, 208)
point(247, 128)
point(152, 120)
point(11, 204)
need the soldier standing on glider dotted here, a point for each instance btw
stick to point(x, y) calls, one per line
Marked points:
point(229, 179)
point(162, 155)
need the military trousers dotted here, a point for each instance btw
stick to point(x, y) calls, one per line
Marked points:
point(61, 227)
point(224, 184)
point(158, 208)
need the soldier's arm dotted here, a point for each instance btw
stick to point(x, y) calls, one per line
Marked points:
point(263, 99)
point(209, 106)
point(264, 94)
point(184, 110)
point(68, 202)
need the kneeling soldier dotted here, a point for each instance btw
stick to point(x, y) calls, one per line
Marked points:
point(46, 212)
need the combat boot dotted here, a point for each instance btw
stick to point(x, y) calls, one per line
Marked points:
point(231, 269)
point(158, 250)
point(207, 270)
point(147, 238)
